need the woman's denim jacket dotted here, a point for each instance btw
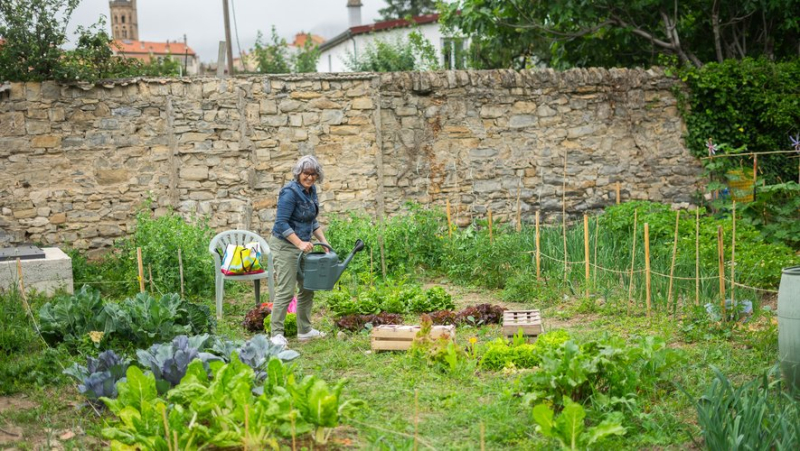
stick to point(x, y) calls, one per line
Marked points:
point(297, 212)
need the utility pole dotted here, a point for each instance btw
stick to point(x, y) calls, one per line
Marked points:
point(228, 37)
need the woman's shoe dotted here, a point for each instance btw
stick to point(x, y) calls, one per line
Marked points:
point(310, 335)
point(279, 340)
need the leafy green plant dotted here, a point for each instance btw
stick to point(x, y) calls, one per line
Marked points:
point(775, 212)
point(756, 415)
point(272, 56)
point(319, 405)
point(289, 324)
point(355, 323)
point(170, 361)
point(518, 353)
point(569, 428)
point(99, 377)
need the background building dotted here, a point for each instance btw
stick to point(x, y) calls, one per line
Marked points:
point(125, 31)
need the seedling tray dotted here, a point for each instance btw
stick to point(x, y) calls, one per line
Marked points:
point(399, 338)
point(530, 321)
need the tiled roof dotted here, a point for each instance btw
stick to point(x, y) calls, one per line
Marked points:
point(300, 39)
point(378, 26)
point(147, 47)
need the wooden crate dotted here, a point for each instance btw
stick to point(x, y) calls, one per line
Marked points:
point(399, 338)
point(530, 321)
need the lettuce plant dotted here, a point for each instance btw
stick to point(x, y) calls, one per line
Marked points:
point(569, 428)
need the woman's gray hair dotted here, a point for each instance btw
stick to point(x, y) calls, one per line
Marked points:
point(305, 163)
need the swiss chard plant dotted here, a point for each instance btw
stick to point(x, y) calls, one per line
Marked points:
point(569, 428)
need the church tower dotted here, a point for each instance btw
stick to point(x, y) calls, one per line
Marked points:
point(124, 23)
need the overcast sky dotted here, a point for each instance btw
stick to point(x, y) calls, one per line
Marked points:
point(202, 20)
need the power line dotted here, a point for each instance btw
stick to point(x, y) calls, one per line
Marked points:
point(236, 32)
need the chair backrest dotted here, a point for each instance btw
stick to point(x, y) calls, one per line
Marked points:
point(241, 237)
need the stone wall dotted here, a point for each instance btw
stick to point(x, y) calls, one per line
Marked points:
point(77, 161)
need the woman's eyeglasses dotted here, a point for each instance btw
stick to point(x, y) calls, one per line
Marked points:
point(311, 174)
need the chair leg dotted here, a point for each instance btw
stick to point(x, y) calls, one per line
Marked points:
point(257, 284)
point(219, 292)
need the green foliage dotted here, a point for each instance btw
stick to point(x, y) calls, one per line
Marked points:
point(414, 53)
point(609, 33)
point(142, 320)
point(398, 296)
point(569, 428)
point(607, 367)
point(306, 58)
point(289, 324)
point(758, 263)
point(501, 354)
point(34, 33)
point(213, 412)
point(756, 415)
point(399, 9)
point(272, 56)
point(160, 238)
point(750, 103)
point(775, 212)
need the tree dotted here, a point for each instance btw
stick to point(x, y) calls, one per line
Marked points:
point(625, 32)
point(35, 30)
point(398, 9)
point(403, 54)
point(305, 60)
point(272, 56)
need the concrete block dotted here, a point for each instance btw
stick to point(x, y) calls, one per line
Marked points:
point(41, 275)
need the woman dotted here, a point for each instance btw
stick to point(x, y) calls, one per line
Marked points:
point(295, 223)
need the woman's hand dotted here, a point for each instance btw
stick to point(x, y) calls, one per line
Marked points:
point(305, 246)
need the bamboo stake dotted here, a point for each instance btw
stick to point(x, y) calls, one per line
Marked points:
point(449, 223)
point(596, 233)
point(697, 257)
point(618, 192)
point(20, 280)
point(755, 175)
point(180, 268)
point(141, 274)
point(672, 266)
point(564, 215)
point(294, 433)
point(733, 257)
point(383, 258)
point(416, 418)
point(519, 211)
point(175, 439)
point(483, 437)
point(721, 255)
point(491, 236)
point(633, 259)
point(150, 271)
point(647, 264)
point(586, 250)
point(538, 255)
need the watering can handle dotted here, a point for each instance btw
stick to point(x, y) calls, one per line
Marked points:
point(303, 254)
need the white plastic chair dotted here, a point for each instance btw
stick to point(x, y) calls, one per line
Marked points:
point(241, 237)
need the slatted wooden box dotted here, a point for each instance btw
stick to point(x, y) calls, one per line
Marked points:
point(530, 321)
point(399, 338)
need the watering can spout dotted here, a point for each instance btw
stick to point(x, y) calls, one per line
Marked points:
point(341, 266)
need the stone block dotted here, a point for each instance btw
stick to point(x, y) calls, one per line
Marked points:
point(46, 141)
point(46, 275)
point(362, 103)
point(12, 124)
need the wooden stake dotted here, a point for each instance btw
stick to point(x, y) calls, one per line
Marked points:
point(20, 280)
point(586, 250)
point(619, 190)
point(294, 433)
point(564, 215)
point(383, 258)
point(672, 266)
point(755, 175)
point(519, 211)
point(416, 417)
point(633, 258)
point(150, 272)
point(721, 255)
point(449, 223)
point(141, 274)
point(180, 268)
point(697, 257)
point(596, 233)
point(483, 437)
point(733, 257)
point(647, 265)
point(491, 237)
point(538, 254)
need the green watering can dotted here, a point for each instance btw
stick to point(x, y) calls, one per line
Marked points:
point(321, 270)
